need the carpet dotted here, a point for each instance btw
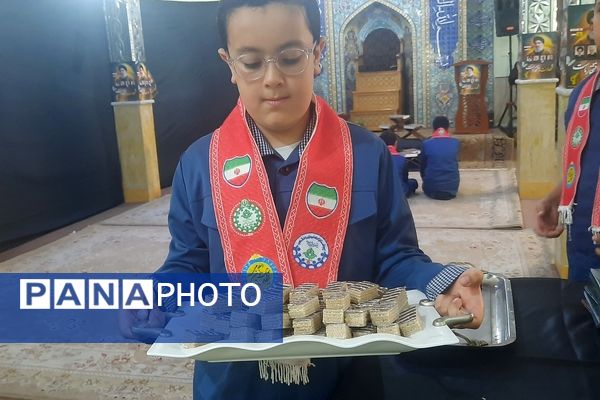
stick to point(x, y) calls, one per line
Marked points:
point(487, 199)
point(93, 371)
point(153, 213)
point(514, 253)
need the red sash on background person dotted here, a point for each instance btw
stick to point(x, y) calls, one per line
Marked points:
point(595, 227)
point(578, 132)
point(440, 132)
point(309, 247)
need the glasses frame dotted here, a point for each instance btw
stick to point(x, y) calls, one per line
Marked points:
point(275, 60)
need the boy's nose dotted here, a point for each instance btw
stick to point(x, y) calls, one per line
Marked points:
point(273, 76)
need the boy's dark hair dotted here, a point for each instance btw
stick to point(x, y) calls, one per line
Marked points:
point(441, 122)
point(389, 137)
point(536, 38)
point(226, 7)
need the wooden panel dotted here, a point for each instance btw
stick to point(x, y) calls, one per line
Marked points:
point(372, 119)
point(378, 81)
point(375, 101)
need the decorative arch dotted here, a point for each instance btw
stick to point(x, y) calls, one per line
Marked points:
point(341, 45)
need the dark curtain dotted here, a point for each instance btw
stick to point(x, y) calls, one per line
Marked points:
point(58, 152)
point(194, 89)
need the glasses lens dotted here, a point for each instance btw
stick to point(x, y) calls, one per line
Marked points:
point(250, 66)
point(292, 61)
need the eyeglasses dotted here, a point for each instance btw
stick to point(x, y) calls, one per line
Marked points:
point(289, 62)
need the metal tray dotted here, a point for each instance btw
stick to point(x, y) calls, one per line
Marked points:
point(312, 346)
point(498, 327)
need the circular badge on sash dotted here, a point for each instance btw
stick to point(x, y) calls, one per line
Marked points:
point(247, 217)
point(571, 175)
point(577, 137)
point(310, 251)
point(260, 270)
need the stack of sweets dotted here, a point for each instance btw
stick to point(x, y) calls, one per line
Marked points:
point(337, 301)
point(410, 321)
point(305, 310)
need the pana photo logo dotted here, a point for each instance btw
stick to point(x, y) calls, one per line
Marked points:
point(133, 294)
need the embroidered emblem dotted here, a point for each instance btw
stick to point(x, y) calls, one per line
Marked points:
point(321, 200)
point(584, 106)
point(236, 171)
point(577, 137)
point(571, 174)
point(310, 251)
point(261, 270)
point(247, 217)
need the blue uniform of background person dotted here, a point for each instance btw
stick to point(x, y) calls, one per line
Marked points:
point(439, 167)
point(380, 246)
point(580, 249)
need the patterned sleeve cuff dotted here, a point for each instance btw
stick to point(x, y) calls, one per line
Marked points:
point(443, 280)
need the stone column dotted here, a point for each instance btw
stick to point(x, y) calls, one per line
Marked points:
point(536, 117)
point(134, 120)
point(560, 244)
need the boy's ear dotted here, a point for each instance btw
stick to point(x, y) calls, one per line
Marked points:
point(318, 52)
point(225, 57)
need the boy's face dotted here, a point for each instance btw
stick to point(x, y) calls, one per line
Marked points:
point(277, 102)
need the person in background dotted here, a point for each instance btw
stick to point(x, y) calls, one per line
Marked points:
point(439, 162)
point(571, 202)
point(409, 185)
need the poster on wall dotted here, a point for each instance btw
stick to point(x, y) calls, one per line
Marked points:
point(470, 76)
point(539, 52)
point(145, 82)
point(581, 47)
point(124, 85)
point(132, 82)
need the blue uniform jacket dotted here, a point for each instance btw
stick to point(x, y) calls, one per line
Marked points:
point(439, 165)
point(380, 246)
point(580, 249)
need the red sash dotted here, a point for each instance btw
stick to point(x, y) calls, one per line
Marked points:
point(440, 132)
point(309, 247)
point(578, 132)
point(595, 228)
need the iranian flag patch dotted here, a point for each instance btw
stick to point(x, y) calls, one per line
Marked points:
point(321, 200)
point(237, 170)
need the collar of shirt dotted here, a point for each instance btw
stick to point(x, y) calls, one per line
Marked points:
point(265, 147)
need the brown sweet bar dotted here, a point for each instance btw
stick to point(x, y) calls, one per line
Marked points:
point(333, 316)
point(356, 317)
point(302, 307)
point(308, 325)
point(338, 331)
point(385, 313)
point(410, 321)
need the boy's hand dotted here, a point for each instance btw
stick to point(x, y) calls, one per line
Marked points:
point(596, 240)
point(463, 297)
point(547, 216)
point(128, 319)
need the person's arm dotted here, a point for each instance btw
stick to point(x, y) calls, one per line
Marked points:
point(547, 224)
point(188, 251)
point(400, 262)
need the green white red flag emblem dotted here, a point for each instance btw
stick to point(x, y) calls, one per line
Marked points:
point(584, 105)
point(237, 170)
point(322, 200)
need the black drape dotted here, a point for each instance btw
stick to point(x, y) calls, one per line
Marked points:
point(194, 89)
point(58, 152)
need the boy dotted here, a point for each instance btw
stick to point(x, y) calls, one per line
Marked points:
point(240, 191)
point(439, 162)
point(409, 186)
